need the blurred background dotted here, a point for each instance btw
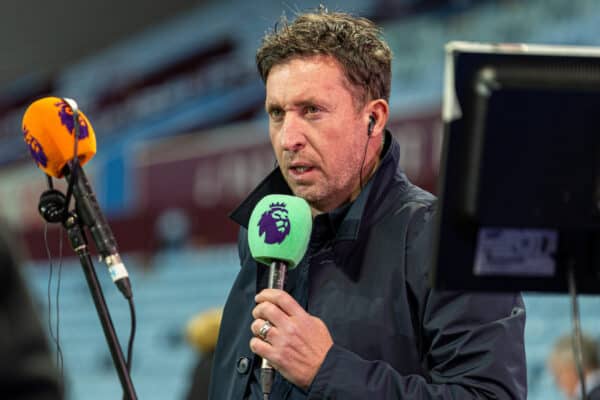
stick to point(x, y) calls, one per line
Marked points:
point(173, 94)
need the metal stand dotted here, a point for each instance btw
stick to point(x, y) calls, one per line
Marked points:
point(79, 245)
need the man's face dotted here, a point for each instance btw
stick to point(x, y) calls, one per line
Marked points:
point(317, 133)
point(565, 376)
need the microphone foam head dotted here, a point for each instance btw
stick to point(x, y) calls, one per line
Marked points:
point(49, 131)
point(279, 229)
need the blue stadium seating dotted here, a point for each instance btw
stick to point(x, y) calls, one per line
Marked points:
point(167, 292)
point(174, 286)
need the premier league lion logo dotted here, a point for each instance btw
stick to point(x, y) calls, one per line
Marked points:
point(66, 118)
point(35, 148)
point(274, 223)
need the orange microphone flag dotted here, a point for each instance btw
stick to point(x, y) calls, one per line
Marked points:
point(49, 131)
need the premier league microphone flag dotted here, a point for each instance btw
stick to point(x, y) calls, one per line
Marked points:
point(49, 131)
point(279, 229)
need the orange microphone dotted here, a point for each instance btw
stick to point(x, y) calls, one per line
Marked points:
point(49, 131)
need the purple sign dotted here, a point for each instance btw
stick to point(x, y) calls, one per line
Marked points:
point(35, 148)
point(274, 223)
point(66, 118)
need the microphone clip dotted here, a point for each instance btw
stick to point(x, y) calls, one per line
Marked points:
point(52, 206)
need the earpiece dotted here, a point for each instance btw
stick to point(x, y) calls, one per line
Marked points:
point(52, 205)
point(371, 125)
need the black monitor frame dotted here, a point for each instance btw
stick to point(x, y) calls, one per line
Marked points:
point(519, 187)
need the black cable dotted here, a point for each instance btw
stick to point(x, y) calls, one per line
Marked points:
point(131, 338)
point(131, 334)
point(362, 164)
point(49, 288)
point(58, 284)
point(55, 338)
point(74, 162)
point(577, 339)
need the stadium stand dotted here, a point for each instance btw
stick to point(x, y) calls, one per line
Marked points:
point(168, 290)
point(170, 287)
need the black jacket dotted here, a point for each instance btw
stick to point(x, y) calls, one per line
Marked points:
point(594, 393)
point(366, 276)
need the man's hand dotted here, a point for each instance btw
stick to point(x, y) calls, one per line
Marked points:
point(297, 342)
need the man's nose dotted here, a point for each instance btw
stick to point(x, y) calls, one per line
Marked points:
point(293, 133)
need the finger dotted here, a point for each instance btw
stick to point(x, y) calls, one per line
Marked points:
point(281, 299)
point(264, 330)
point(263, 349)
point(270, 312)
point(256, 325)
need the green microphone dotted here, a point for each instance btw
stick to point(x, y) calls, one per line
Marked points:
point(278, 235)
point(279, 229)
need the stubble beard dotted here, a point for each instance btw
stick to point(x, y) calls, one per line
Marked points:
point(327, 194)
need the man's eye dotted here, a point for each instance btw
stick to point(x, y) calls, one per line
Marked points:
point(312, 109)
point(276, 113)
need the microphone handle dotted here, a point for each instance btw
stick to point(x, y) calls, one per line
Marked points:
point(91, 215)
point(277, 273)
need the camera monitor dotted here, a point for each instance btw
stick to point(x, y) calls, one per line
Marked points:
point(519, 184)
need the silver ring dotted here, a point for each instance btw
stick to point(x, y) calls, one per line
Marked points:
point(264, 330)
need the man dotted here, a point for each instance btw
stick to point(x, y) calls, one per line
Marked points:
point(562, 365)
point(201, 333)
point(26, 368)
point(357, 319)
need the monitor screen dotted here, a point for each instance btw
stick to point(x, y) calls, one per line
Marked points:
point(519, 185)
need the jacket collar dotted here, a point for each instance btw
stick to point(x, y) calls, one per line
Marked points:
point(345, 220)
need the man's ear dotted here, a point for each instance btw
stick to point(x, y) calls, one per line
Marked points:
point(377, 114)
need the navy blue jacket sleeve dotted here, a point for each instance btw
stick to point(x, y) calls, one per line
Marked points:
point(472, 344)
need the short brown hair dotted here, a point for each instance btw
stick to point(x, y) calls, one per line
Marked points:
point(355, 42)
